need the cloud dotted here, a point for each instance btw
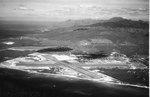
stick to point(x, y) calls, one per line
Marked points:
point(80, 11)
point(22, 7)
point(96, 12)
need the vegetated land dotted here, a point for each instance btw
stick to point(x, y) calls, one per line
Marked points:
point(93, 37)
point(127, 36)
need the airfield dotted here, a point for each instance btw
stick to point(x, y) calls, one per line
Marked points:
point(68, 64)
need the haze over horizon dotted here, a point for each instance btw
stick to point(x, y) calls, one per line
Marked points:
point(60, 10)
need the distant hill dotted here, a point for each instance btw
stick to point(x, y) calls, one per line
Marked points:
point(121, 22)
point(115, 19)
point(82, 22)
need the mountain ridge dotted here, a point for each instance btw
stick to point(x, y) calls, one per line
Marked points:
point(122, 22)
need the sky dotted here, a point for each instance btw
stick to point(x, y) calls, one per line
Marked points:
point(60, 10)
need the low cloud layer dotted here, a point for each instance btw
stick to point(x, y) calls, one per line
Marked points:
point(79, 9)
